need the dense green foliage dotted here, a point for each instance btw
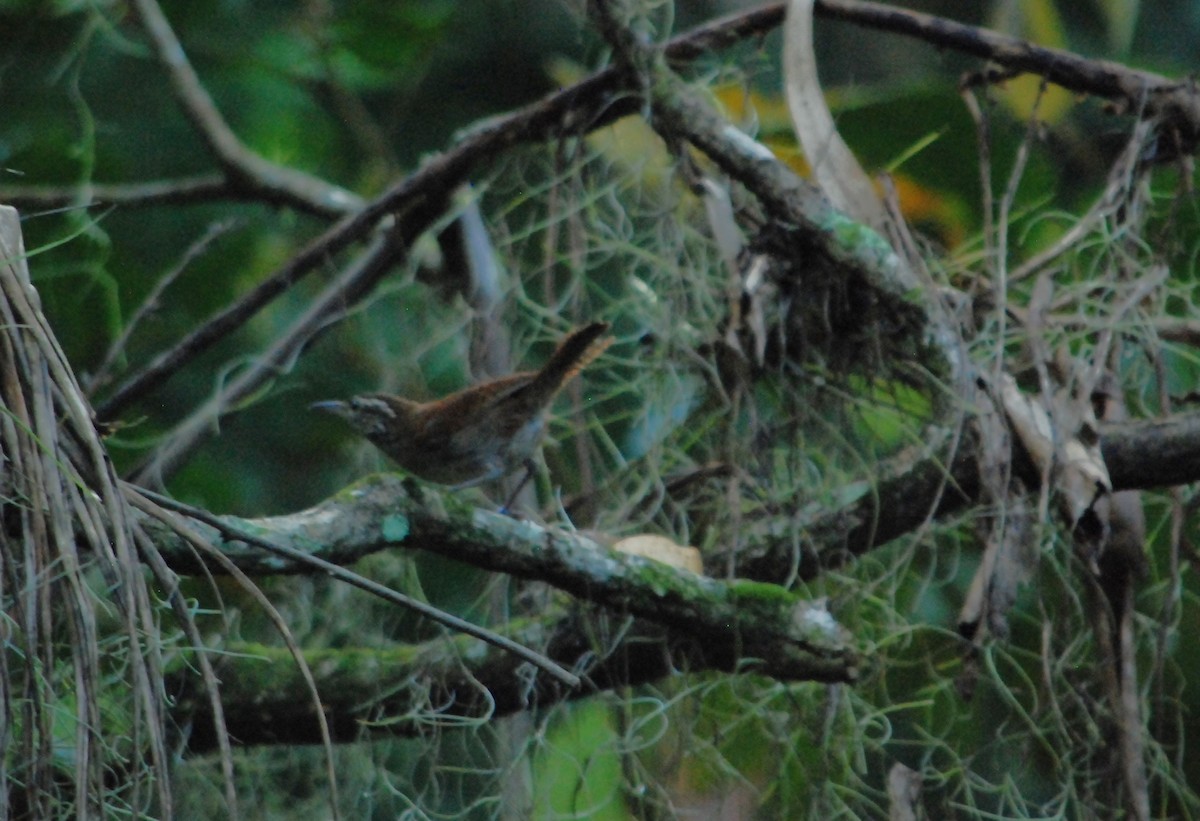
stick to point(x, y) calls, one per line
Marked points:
point(357, 93)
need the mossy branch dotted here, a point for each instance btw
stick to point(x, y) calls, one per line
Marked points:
point(448, 682)
point(384, 511)
point(800, 638)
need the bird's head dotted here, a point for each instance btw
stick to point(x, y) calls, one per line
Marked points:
point(372, 416)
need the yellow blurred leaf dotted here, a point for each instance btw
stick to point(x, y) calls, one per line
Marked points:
point(634, 145)
point(944, 218)
point(1121, 18)
point(661, 549)
point(744, 105)
point(1037, 21)
point(629, 142)
point(1020, 94)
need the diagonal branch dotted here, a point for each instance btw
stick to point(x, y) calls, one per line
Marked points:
point(357, 280)
point(795, 638)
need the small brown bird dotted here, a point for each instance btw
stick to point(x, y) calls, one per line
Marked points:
point(480, 433)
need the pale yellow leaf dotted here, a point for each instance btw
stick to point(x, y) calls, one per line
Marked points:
point(661, 549)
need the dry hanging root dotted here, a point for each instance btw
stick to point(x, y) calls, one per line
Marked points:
point(67, 555)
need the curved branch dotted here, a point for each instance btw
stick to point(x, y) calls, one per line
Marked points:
point(246, 172)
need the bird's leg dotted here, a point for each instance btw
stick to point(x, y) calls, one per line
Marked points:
point(512, 497)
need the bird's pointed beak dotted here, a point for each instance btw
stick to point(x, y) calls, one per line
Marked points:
point(334, 406)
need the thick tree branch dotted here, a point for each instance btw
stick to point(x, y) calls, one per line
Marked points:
point(153, 505)
point(1152, 453)
point(384, 511)
point(1139, 455)
point(381, 511)
point(446, 682)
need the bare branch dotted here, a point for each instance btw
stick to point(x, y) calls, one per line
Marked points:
point(184, 191)
point(151, 303)
point(243, 169)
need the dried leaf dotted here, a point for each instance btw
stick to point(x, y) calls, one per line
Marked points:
point(723, 224)
point(1070, 456)
point(757, 290)
point(1008, 561)
point(1029, 422)
point(746, 315)
point(661, 549)
point(835, 169)
point(904, 793)
point(1123, 552)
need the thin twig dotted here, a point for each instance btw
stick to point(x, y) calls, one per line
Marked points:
point(181, 191)
point(983, 138)
point(151, 303)
point(1000, 257)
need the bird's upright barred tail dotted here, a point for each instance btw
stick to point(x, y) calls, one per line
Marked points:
point(573, 355)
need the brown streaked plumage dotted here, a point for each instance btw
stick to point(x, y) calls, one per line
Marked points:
point(480, 433)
